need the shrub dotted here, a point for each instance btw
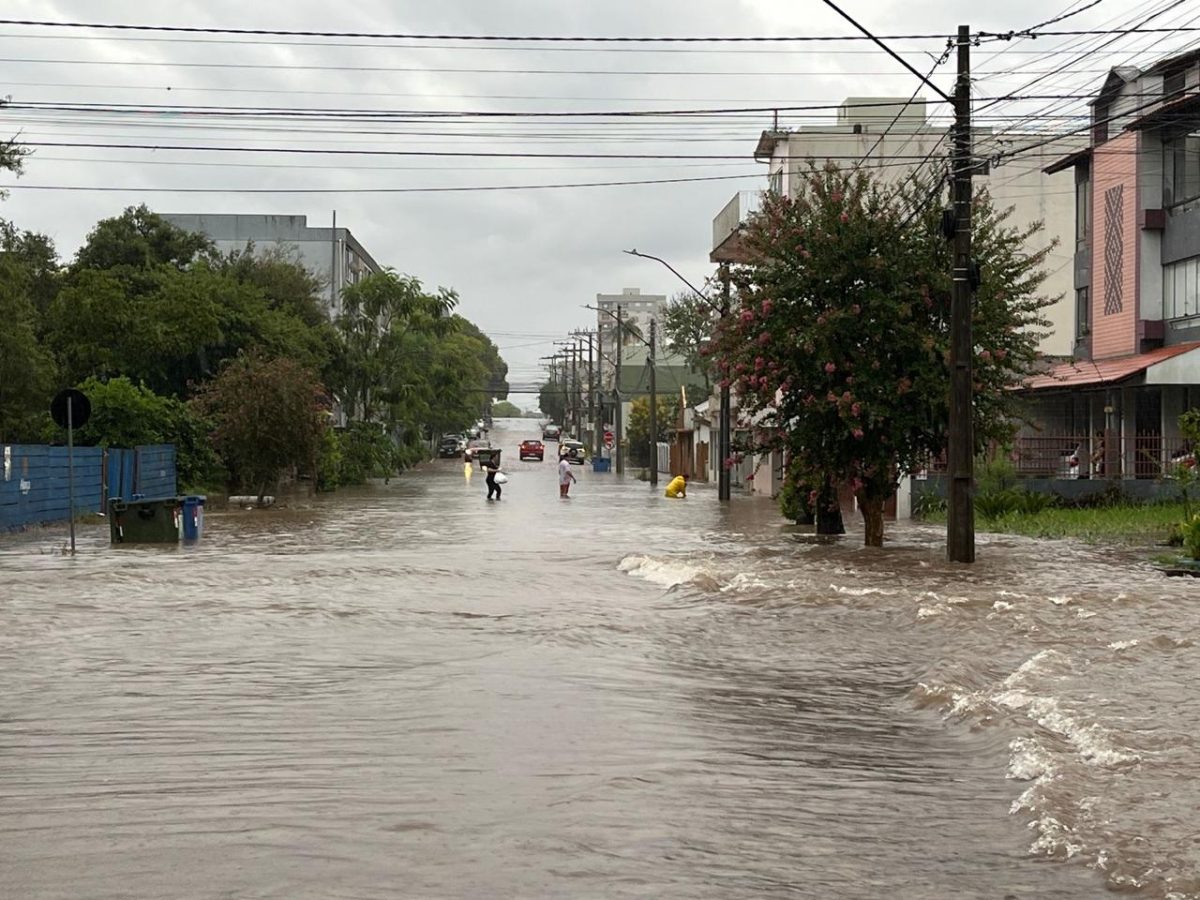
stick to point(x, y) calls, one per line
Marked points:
point(1191, 537)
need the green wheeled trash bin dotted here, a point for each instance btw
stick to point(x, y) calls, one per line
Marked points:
point(144, 520)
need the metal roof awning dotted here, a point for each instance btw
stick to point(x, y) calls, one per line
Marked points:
point(1069, 161)
point(1167, 365)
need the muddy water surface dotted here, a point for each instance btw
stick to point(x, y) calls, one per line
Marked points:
point(409, 691)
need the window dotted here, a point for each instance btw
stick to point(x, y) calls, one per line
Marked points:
point(1181, 169)
point(1100, 124)
point(1083, 205)
point(1174, 82)
point(1181, 288)
point(1083, 313)
point(777, 182)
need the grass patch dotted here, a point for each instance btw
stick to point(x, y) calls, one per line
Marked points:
point(1150, 523)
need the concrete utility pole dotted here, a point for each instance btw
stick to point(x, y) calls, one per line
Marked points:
point(576, 354)
point(960, 532)
point(619, 414)
point(724, 475)
point(653, 405)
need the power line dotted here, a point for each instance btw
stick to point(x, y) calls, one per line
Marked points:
point(376, 35)
point(372, 190)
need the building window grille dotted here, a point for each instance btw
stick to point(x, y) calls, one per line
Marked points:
point(1181, 288)
point(1083, 313)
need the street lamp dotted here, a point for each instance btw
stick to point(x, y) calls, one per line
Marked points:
point(723, 437)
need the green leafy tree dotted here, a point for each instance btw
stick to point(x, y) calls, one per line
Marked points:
point(378, 314)
point(139, 239)
point(839, 344)
point(552, 401)
point(637, 432)
point(27, 370)
point(36, 259)
point(506, 410)
point(268, 416)
point(129, 415)
point(687, 324)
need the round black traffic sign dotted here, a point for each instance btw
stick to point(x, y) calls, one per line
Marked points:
point(80, 406)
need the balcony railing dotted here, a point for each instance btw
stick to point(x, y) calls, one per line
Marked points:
point(743, 205)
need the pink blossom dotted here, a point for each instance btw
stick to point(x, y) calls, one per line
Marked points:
point(830, 368)
point(845, 217)
point(836, 196)
point(806, 254)
point(846, 398)
point(766, 307)
point(821, 319)
point(985, 355)
point(729, 462)
point(1001, 353)
point(855, 409)
point(759, 363)
point(725, 382)
point(858, 433)
point(764, 338)
point(812, 498)
point(831, 397)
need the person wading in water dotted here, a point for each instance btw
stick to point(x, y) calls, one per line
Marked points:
point(492, 467)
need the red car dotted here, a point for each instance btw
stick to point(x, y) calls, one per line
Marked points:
point(531, 450)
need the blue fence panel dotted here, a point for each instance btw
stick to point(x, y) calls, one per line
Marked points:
point(155, 471)
point(35, 483)
point(119, 467)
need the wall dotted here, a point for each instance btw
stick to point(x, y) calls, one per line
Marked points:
point(34, 480)
point(1114, 250)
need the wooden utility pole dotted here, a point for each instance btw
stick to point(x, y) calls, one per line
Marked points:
point(653, 405)
point(960, 531)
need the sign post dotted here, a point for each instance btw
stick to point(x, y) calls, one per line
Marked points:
point(71, 408)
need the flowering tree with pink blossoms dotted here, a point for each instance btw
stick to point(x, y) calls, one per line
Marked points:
point(838, 344)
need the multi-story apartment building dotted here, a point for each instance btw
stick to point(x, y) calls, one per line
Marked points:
point(637, 309)
point(1136, 278)
point(333, 254)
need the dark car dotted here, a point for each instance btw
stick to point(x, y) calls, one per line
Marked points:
point(532, 449)
point(551, 433)
point(573, 451)
point(452, 445)
point(475, 447)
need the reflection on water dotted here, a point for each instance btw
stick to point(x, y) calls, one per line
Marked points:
point(408, 691)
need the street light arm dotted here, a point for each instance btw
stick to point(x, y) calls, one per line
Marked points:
point(675, 272)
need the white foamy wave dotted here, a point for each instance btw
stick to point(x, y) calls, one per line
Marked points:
point(1123, 645)
point(1002, 606)
point(1085, 614)
point(1054, 839)
point(665, 572)
point(857, 592)
point(928, 612)
point(1059, 601)
point(1039, 662)
point(1091, 742)
point(743, 581)
point(1029, 761)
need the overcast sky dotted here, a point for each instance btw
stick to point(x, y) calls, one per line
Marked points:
point(523, 261)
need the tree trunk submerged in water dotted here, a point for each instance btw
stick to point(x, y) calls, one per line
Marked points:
point(829, 509)
point(872, 513)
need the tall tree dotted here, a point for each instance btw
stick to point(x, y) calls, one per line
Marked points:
point(139, 239)
point(27, 371)
point(840, 343)
point(687, 325)
point(268, 416)
point(378, 314)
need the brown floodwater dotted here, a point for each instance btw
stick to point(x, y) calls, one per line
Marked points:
point(407, 691)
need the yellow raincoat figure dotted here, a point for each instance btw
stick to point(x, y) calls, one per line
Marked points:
point(678, 487)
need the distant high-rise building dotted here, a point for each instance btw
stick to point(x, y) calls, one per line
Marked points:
point(637, 309)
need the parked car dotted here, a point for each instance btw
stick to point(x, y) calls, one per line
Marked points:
point(551, 432)
point(532, 449)
point(574, 451)
point(451, 446)
point(475, 446)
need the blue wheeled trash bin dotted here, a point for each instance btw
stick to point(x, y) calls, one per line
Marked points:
point(193, 516)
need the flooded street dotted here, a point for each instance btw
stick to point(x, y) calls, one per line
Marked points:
point(407, 691)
